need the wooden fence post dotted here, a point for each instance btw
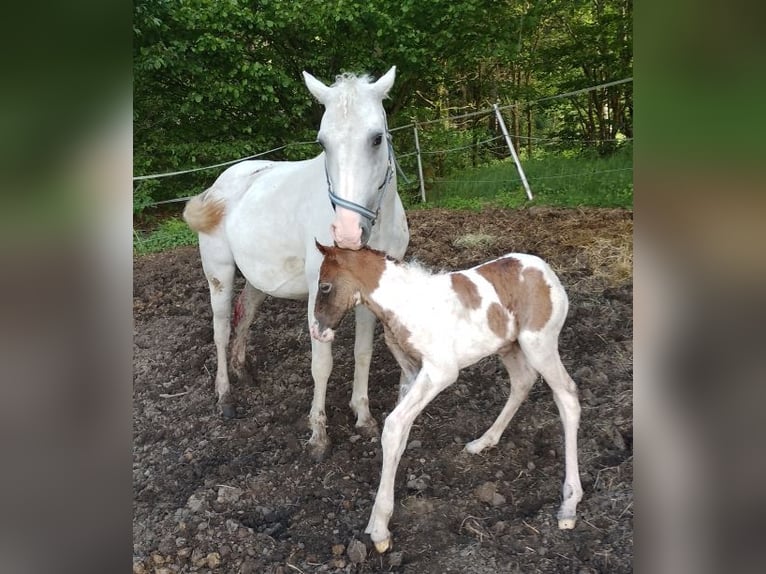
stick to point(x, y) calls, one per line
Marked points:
point(513, 151)
point(420, 166)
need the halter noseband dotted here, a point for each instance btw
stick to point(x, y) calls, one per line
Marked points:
point(355, 207)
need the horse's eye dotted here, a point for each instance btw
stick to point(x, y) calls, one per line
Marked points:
point(325, 287)
point(377, 140)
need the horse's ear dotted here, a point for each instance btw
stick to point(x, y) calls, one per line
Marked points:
point(317, 88)
point(384, 83)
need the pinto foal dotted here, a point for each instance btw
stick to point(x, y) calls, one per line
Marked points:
point(436, 324)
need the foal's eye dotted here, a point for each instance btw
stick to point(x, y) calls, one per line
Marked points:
point(377, 140)
point(325, 287)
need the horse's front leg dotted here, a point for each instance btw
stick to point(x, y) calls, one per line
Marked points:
point(321, 367)
point(365, 329)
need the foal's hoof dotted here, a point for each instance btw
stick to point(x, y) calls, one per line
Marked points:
point(383, 545)
point(567, 523)
point(228, 411)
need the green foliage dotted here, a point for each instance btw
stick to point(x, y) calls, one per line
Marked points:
point(171, 233)
point(216, 81)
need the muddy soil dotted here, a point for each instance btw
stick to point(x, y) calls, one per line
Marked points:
point(243, 496)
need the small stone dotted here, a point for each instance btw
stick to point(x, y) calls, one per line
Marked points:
point(418, 483)
point(338, 549)
point(353, 438)
point(183, 553)
point(197, 557)
point(158, 559)
point(231, 525)
point(498, 499)
point(139, 568)
point(213, 560)
point(163, 570)
point(229, 494)
point(167, 546)
point(339, 563)
point(414, 444)
point(486, 492)
point(498, 527)
point(531, 465)
point(195, 503)
point(357, 552)
point(395, 559)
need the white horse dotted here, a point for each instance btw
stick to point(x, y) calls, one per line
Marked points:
point(264, 216)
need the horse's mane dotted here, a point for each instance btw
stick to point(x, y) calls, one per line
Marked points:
point(348, 78)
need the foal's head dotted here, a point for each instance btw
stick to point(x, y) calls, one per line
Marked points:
point(344, 277)
point(358, 159)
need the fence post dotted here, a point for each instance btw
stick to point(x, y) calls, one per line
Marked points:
point(513, 151)
point(420, 166)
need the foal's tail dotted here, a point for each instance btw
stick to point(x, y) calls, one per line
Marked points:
point(204, 213)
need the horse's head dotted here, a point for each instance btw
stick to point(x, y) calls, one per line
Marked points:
point(359, 160)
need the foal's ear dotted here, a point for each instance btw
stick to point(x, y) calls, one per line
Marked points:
point(321, 248)
point(317, 88)
point(385, 82)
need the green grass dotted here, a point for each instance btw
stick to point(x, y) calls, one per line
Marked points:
point(562, 180)
point(172, 232)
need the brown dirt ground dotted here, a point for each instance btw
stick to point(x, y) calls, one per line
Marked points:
point(242, 496)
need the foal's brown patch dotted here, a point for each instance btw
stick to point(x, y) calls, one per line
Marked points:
point(529, 299)
point(467, 292)
point(497, 317)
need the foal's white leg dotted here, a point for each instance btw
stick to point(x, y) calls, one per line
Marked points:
point(542, 353)
point(365, 328)
point(218, 265)
point(393, 440)
point(522, 378)
point(245, 308)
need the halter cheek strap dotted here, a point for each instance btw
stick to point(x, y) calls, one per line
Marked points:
point(336, 200)
point(355, 207)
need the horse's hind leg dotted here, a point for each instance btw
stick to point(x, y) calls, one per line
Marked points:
point(522, 378)
point(218, 265)
point(542, 353)
point(245, 309)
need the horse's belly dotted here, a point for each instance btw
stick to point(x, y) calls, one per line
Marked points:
point(285, 279)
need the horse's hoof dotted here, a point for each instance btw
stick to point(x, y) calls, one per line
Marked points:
point(369, 429)
point(318, 451)
point(567, 523)
point(228, 411)
point(383, 545)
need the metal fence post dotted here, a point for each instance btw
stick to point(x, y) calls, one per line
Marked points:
point(420, 165)
point(513, 151)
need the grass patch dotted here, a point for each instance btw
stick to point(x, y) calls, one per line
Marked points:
point(170, 233)
point(474, 240)
point(583, 180)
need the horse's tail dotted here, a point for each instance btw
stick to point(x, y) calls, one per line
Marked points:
point(204, 213)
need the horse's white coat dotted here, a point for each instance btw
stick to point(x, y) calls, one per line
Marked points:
point(448, 336)
point(273, 211)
